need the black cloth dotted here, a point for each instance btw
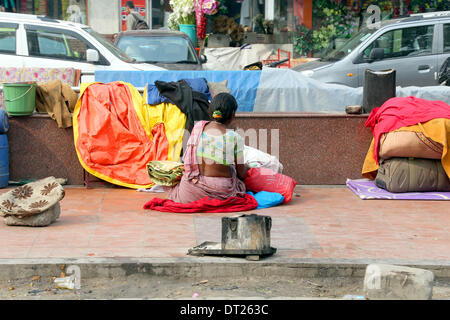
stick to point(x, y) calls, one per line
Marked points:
point(193, 104)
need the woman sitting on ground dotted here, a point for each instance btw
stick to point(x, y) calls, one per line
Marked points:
point(214, 158)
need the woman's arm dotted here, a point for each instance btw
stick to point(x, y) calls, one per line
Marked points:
point(241, 171)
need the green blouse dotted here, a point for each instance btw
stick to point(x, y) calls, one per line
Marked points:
point(223, 149)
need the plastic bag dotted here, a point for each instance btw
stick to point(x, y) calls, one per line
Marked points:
point(255, 158)
point(65, 283)
point(263, 179)
point(267, 199)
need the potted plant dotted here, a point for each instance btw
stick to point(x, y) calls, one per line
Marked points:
point(303, 41)
point(183, 18)
point(337, 24)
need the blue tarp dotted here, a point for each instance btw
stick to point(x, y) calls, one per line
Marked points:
point(242, 84)
point(274, 90)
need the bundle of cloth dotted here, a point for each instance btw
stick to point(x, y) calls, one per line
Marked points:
point(58, 100)
point(165, 173)
point(409, 149)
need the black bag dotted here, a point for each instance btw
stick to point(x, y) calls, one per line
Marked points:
point(141, 24)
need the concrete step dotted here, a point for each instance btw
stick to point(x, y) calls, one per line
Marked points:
point(206, 267)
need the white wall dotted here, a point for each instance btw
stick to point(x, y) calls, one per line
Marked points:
point(104, 16)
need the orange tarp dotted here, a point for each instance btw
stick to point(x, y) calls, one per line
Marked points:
point(110, 140)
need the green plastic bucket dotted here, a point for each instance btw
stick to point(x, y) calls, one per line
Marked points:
point(20, 98)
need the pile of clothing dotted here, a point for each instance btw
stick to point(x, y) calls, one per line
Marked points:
point(409, 149)
point(117, 131)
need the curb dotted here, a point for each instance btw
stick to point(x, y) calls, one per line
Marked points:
point(204, 267)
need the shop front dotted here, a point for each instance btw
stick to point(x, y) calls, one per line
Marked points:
point(274, 29)
point(236, 33)
point(335, 21)
point(70, 10)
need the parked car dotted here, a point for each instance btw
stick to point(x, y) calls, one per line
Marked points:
point(416, 47)
point(172, 50)
point(37, 41)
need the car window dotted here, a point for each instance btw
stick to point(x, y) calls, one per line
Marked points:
point(447, 37)
point(348, 47)
point(109, 46)
point(44, 43)
point(406, 42)
point(163, 49)
point(8, 40)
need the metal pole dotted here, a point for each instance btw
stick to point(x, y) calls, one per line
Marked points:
point(251, 14)
point(120, 14)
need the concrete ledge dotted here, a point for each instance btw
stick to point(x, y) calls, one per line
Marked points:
point(314, 148)
point(205, 267)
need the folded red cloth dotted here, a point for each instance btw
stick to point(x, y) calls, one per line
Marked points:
point(233, 204)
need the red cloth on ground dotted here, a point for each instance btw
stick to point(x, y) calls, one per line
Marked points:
point(401, 112)
point(233, 204)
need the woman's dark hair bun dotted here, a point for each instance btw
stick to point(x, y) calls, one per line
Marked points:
point(223, 106)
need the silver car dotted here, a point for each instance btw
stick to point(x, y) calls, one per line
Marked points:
point(171, 50)
point(416, 47)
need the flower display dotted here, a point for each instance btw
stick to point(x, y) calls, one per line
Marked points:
point(200, 19)
point(210, 7)
point(183, 13)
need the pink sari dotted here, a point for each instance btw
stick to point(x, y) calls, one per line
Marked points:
point(194, 186)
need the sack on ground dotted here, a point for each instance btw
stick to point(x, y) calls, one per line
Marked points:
point(399, 144)
point(263, 179)
point(412, 175)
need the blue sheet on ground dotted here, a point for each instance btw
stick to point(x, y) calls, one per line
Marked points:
point(267, 199)
point(242, 84)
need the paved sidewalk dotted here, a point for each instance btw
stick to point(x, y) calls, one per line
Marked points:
point(323, 222)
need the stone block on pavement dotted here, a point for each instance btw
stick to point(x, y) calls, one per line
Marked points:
point(390, 282)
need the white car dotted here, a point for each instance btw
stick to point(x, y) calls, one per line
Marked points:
point(37, 41)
